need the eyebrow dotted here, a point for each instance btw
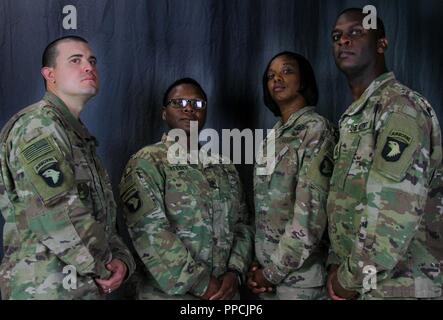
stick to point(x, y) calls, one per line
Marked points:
point(289, 63)
point(351, 26)
point(80, 56)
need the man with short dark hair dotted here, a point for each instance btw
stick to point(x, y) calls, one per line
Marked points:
point(60, 240)
point(385, 244)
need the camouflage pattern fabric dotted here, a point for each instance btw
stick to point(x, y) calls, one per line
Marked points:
point(187, 222)
point(387, 169)
point(290, 203)
point(58, 206)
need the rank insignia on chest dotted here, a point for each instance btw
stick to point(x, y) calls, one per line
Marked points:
point(395, 145)
point(326, 167)
point(83, 190)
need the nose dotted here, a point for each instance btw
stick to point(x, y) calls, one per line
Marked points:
point(88, 66)
point(278, 77)
point(189, 108)
point(344, 40)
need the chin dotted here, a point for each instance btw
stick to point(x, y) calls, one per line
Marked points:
point(347, 68)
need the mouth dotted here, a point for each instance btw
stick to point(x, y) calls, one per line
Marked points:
point(278, 88)
point(188, 119)
point(94, 79)
point(345, 54)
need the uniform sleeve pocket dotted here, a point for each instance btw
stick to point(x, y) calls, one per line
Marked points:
point(137, 199)
point(396, 147)
point(46, 169)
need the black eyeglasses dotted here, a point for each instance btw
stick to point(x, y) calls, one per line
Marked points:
point(197, 104)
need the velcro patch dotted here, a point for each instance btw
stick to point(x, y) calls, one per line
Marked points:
point(393, 149)
point(398, 142)
point(131, 199)
point(46, 169)
point(37, 149)
point(52, 175)
point(327, 167)
point(83, 190)
point(45, 163)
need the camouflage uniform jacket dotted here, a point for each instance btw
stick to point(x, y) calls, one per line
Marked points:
point(290, 202)
point(186, 221)
point(58, 206)
point(385, 161)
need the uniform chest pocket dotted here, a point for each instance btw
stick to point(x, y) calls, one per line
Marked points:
point(185, 189)
point(344, 153)
point(353, 155)
point(81, 164)
point(83, 176)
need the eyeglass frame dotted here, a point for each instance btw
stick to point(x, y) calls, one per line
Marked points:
point(188, 101)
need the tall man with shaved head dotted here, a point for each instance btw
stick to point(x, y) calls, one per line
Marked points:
point(385, 203)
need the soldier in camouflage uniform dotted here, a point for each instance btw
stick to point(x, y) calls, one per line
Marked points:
point(290, 198)
point(55, 196)
point(384, 206)
point(188, 222)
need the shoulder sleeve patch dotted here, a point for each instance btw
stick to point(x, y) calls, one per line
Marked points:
point(322, 165)
point(46, 168)
point(137, 197)
point(396, 146)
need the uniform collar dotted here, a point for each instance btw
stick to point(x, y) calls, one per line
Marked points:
point(58, 103)
point(204, 160)
point(358, 104)
point(280, 126)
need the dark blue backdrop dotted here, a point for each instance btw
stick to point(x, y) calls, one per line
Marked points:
point(143, 46)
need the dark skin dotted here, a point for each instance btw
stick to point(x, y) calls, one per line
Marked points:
point(283, 86)
point(257, 282)
point(228, 287)
point(180, 118)
point(225, 287)
point(359, 54)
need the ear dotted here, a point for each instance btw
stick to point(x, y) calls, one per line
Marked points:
point(382, 45)
point(48, 74)
point(164, 113)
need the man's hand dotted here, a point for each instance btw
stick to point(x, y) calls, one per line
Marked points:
point(228, 288)
point(256, 282)
point(213, 287)
point(335, 290)
point(118, 269)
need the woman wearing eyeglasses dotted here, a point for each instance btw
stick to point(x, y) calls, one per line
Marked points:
point(290, 195)
point(187, 221)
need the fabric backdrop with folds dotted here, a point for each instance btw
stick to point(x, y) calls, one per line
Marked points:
point(144, 45)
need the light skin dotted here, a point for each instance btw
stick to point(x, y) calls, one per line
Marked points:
point(74, 79)
point(284, 85)
point(359, 54)
point(118, 269)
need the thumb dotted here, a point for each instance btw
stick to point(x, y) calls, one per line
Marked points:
point(110, 266)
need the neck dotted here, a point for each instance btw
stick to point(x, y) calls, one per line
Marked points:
point(290, 108)
point(75, 104)
point(359, 82)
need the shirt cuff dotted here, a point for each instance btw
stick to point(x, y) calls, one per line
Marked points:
point(201, 284)
point(273, 275)
point(347, 279)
